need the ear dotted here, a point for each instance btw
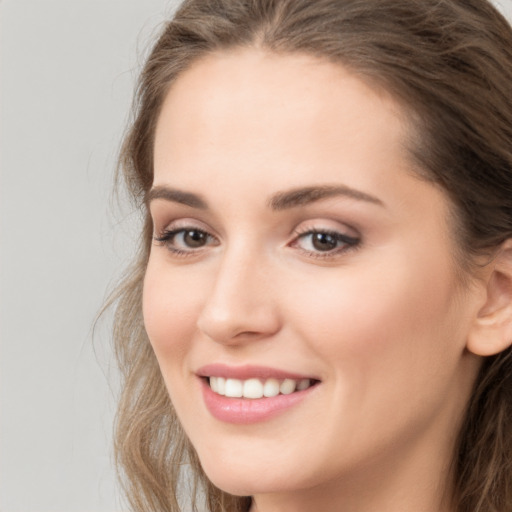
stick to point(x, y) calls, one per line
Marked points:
point(491, 331)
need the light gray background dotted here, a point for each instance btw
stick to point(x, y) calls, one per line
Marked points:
point(67, 70)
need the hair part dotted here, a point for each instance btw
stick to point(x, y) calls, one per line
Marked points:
point(449, 64)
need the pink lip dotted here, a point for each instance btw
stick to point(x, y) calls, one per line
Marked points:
point(244, 411)
point(247, 372)
point(248, 410)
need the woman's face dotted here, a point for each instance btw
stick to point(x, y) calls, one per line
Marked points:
point(297, 248)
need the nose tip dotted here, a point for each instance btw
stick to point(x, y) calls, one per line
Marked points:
point(234, 326)
point(241, 308)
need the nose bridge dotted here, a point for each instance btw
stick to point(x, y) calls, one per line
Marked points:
point(240, 304)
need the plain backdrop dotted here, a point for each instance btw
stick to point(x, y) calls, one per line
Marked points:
point(67, 73)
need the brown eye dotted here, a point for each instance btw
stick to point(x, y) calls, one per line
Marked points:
point(186, 240)
point(194, 238)
point(327, 243)
point(324, 241)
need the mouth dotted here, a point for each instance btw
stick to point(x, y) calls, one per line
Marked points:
point(257, 388)
point(252, 394)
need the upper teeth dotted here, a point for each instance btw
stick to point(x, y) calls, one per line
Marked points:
point(255, 388)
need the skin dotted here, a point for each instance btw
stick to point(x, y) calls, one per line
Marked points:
point(383, 324)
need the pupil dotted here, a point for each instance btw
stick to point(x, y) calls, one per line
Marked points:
point(195, 238)
point(324, 242)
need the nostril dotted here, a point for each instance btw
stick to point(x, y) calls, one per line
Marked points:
point(238, 325)
point(248, 334)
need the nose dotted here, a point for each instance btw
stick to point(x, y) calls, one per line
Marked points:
point(241, 305)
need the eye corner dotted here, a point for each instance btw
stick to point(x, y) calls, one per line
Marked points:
point(184, 239)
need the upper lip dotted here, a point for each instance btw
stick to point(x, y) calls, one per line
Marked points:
point(247, 372)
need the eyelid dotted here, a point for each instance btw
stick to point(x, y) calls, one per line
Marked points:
point(166, 237)
point(351, 241)
point(181, 223)
point(322, 224)
point(346, 238)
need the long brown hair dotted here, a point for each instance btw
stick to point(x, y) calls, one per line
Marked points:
point(449, 63)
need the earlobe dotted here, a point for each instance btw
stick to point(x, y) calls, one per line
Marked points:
point(491, 331)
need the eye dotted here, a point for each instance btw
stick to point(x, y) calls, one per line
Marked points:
point(192, 238)
point(324, 242)
point(185, 240)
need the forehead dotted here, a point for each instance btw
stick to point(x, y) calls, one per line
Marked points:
point(264, 122)
point(263, 95)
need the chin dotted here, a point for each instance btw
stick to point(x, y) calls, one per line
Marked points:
point(240, 486)
point(247, 478)
point(234, 485)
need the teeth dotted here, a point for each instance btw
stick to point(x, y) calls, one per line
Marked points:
point(221, 385)
point(234, 388)
point(255, 388)
point(287, 386)
point(303, 384)
point(271, 388)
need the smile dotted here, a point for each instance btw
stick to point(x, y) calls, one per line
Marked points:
point(252, 394)
point(255, 388)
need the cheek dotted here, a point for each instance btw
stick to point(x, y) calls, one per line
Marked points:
point(170, 313)
point(391, 319)
point(391, 343)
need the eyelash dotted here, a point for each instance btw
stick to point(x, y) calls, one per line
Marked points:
point(166, 238)
point(350, 243)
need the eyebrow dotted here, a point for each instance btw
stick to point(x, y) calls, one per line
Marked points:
point(176, 196)
point(302, 196)
point(279, 201)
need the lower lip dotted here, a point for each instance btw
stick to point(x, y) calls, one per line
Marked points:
point(249, 410)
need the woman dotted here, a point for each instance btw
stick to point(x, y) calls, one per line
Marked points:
point(321, 312)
